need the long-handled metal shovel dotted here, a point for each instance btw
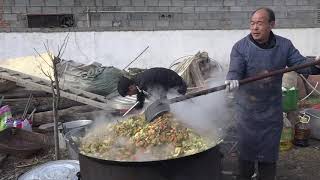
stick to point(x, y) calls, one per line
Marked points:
point(161, 106)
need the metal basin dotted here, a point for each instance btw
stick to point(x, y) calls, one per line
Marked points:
point(122, 103)
point(59, 170)
point(67, 126)
point(75, 124)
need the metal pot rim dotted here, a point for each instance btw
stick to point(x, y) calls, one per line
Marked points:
point(76, 148)
point(153, 161)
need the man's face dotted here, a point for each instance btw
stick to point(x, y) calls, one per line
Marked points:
point(260, 26)
point(132, 90)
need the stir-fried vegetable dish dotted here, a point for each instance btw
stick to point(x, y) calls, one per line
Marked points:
point(134, 139)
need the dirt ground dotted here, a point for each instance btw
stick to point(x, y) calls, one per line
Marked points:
point(299, 163)
point(12, 167)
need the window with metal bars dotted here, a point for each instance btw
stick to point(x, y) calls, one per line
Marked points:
point(318, 14)
point(50, 20)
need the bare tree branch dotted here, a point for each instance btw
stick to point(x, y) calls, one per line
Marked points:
point(46, 73)
point(54, 83)
point(64, 44)
point(46, 47)
point(43, 58)
point(58, 51)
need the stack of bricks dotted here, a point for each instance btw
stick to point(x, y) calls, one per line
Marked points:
point(113, 15)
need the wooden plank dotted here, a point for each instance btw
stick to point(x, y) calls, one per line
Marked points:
point(22, 92)
point(69, 114)
point(27, 83)
point(42, 104)
point(3, 157)
point(37, 80)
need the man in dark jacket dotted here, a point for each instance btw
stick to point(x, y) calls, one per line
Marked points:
point(159, 80)
point(259, 104)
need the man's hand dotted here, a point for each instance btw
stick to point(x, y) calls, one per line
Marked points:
point(140, 98)
point(231, 85)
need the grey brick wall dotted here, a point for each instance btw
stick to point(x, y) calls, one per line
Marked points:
point(114, 15)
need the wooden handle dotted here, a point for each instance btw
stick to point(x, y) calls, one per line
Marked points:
point(243, 81)
point(277, 72)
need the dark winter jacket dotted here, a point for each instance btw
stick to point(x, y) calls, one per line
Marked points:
point(158, 78)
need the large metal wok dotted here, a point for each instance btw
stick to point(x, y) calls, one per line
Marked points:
point(160, 106)
point(204, 165)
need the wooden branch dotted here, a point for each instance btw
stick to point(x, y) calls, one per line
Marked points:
point(64, 44)
point(46, 46)
point(47, 74)
point(21, 92)
point(42, 57)
point(42, 104)
point(69, 114)
point(68, 92)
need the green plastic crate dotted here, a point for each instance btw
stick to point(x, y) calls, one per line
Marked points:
point(290, 100)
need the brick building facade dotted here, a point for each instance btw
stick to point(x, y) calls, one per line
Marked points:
point(114, 15)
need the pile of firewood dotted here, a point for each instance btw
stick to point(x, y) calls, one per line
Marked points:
point(17, 98)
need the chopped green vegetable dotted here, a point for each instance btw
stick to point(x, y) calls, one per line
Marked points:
point(134, 139)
